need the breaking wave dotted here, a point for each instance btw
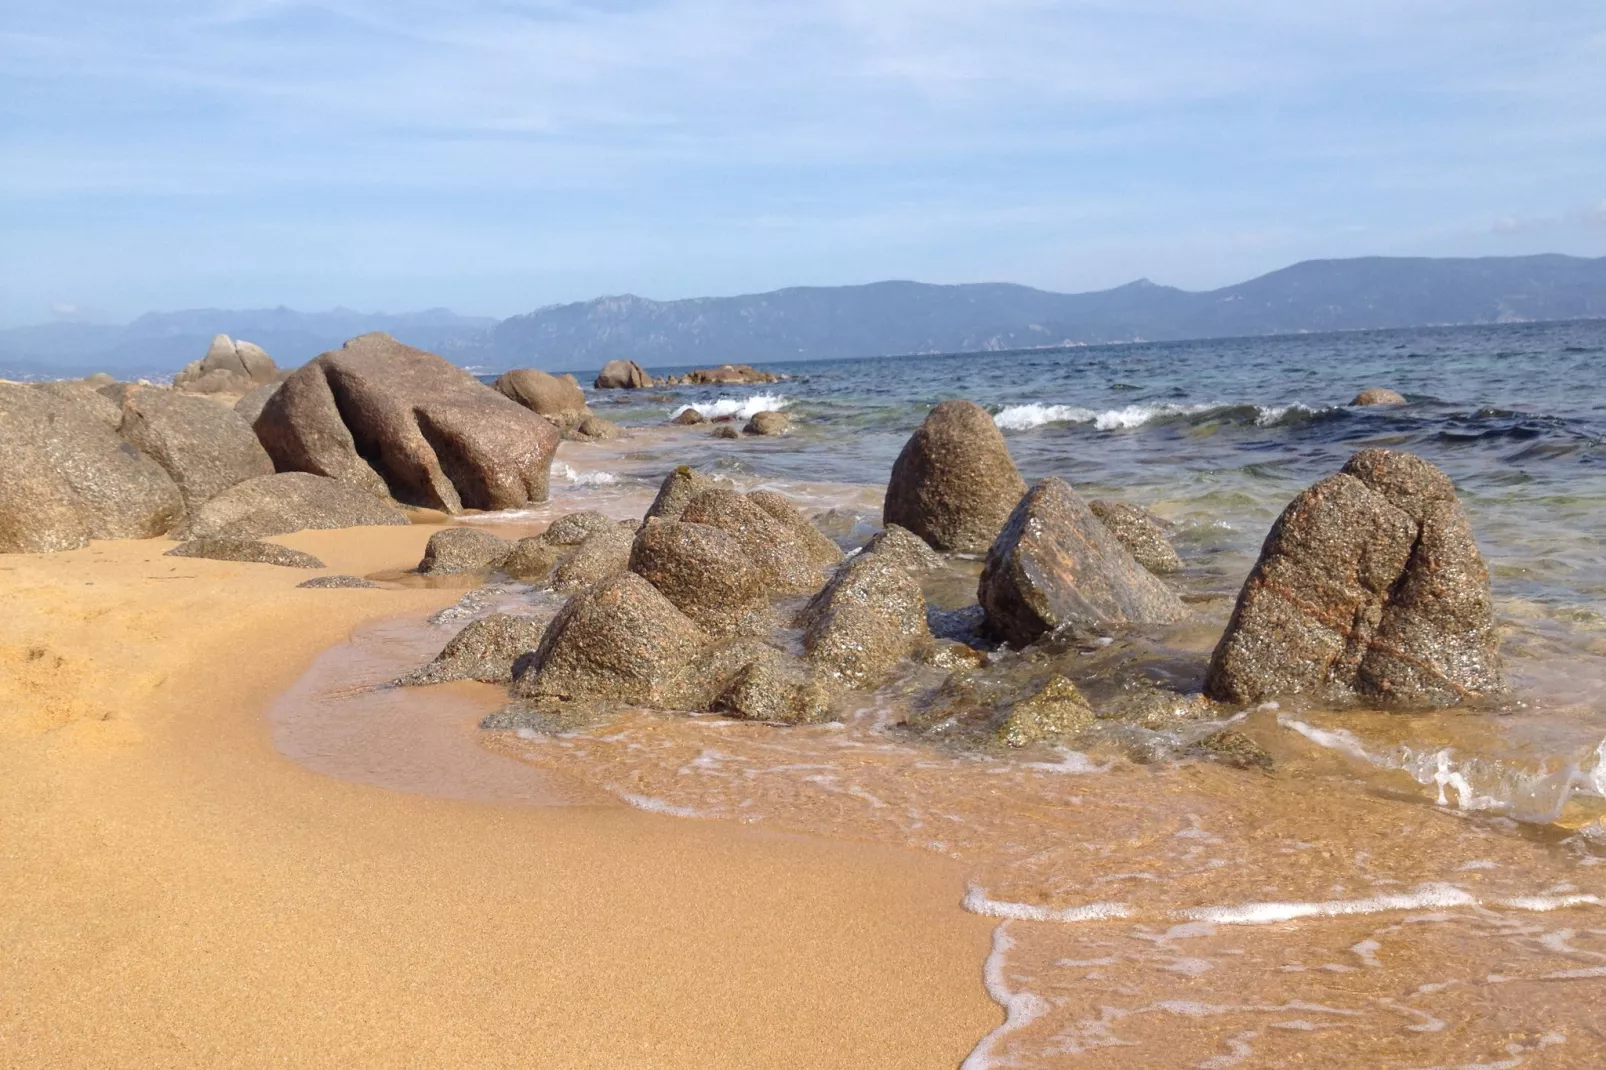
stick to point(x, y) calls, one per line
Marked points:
point(1026, 417)
point(738, 408)
point(589, 479)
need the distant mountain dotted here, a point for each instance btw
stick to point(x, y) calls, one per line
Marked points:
point(160, 343)
point(879, 319)
point(891, 318)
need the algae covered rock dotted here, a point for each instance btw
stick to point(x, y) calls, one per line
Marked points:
point(954, 484)
point(338, 582)
point(903, 547)
point(776, 687)
point(601, 554)
point(1055, 564)
point(1369, 585)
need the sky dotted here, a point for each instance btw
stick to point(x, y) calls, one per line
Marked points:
point(494, 156)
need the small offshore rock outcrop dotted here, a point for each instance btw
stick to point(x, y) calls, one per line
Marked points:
point(1054, 564)
point(1369, 585)
point(622, 375)
point(768, 422)
point(1378, 396)
point(954, 484)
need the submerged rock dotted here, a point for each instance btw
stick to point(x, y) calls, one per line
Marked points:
point(1233, 748)
point(768, 422)
point(954, 484)
point(1378, 396)
point(452, 550)
point(1141, 532)
point(729, 373)
point(688, 417)
point(594, 429)
point(1057, 710)
point(341, 581)
point(1370, 585)
point(867, 618)
point(249, 550)
point(622, 375)
point(485, 650)
point(203, 446)
point(286, 502)
point(774, 686)
point(1055, 564)
point(404, 423)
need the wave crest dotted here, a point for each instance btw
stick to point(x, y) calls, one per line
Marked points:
point(739, 408)
point(1026, 417)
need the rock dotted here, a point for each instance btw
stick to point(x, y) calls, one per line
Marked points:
point(595, 429)
point(338, 582)
point(485, 650)
point(1056, 710)
point(398, 420)
point(1378, 396)
point(622, 375)
point(676, 492)
point(67, 476)
point(954, 484)
point(819, 549)
point(870, 615)
point(768, 423)
point(286, 502)
point(725, 431)
point(229, 367)
point(688, 416)
point(203, 446)
point(778, 688)
point(572, 529)
point(599, 556)
point(1141, 532)
point(780, 556)
point(703, 570)
point(556, 397)
point(620, 640)
point(1369, 585)
point(533, 559)
point(453, 550)
point(729, 373)
point(1054, 564)
point(1233, 748)
point(250, 550)
point(252, 402)
point(904, 548)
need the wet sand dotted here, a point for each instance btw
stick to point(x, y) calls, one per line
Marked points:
point(174, 891)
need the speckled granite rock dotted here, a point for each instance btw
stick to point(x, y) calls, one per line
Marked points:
point(954, 484)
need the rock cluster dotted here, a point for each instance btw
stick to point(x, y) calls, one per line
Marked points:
point(1370, 585)
point(407, 424)
point(229, 367)
point(558, 399)
point(725, 373)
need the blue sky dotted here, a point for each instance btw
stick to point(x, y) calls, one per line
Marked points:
point(497, 156)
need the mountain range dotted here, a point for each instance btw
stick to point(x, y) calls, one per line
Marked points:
point(878, 319)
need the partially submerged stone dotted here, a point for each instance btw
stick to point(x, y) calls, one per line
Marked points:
point(871, 615)
point(286, 502)
point(453, 550)
point(252, 551)
point(1057, 710)
point(703, 570)
point(1378, 396)
point(485, 650)
point(725, 431)
point(778, 688)
point(340, 581)
point(622, 375)
point(1369, 585)
point(1055, 565)
point(954, 484)
point(768, 422)
point(688, 417)
point(1231, 747)
point(1141, 532)
point(572, 529)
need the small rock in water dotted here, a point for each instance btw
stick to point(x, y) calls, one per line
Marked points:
point(622, 375)
point(768, 423)
point(1141, 532)
point(1378, 396)
point(688, 417)
point(904, 547)
point(247, 550)
point(725, 431)
point(453, 550)
point(485, 650)
point(776, 687)
point(1233, 748)
point(1057, 710)
point(954, 484)
point(594, 429)
point(340, 581)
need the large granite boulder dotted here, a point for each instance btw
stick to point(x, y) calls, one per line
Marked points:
point(205, 447)
point(1055, 564)
point(455, 550)
point(1141, 532)
point(870, 615)
point(252, 402)
point(399, 421)
point(620, 640)
point(67, 476)
point(286, 502)
point(598, 556)
point(558, 398)
point(780, 556)
point(622, 375)
point(485, 650)
point(703, 570)
point(954, 484)
point(253, 551)
point(676, 492)
point(1369, 585)
point(229, 367)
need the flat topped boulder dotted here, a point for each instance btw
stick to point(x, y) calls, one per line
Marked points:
point(1054, 564)
point(1369, 586)
point(954, 484)
point(622, 375)
point(67, 476)
point(286, 502)
point(730, 373)
point(405, 423)
point(203, 446)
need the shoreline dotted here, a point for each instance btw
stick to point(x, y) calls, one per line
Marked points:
point(181, 892)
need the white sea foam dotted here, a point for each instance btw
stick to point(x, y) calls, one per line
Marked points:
point(977, 902)
point(1431, 895)
point(587, 479)
point(739, 408)
point(658, 806)
point(1023, 417)
point(1020, 1008)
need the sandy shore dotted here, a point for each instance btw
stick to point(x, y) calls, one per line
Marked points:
point(175, 892)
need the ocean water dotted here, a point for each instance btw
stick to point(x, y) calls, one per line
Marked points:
point(1402, 890)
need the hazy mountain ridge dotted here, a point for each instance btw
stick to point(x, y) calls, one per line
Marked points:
point(877, 319)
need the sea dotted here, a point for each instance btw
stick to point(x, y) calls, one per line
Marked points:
point(1401, 889)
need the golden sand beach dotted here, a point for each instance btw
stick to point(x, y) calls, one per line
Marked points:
point(176, 892)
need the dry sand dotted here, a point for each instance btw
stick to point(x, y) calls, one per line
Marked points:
point(175, 892)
